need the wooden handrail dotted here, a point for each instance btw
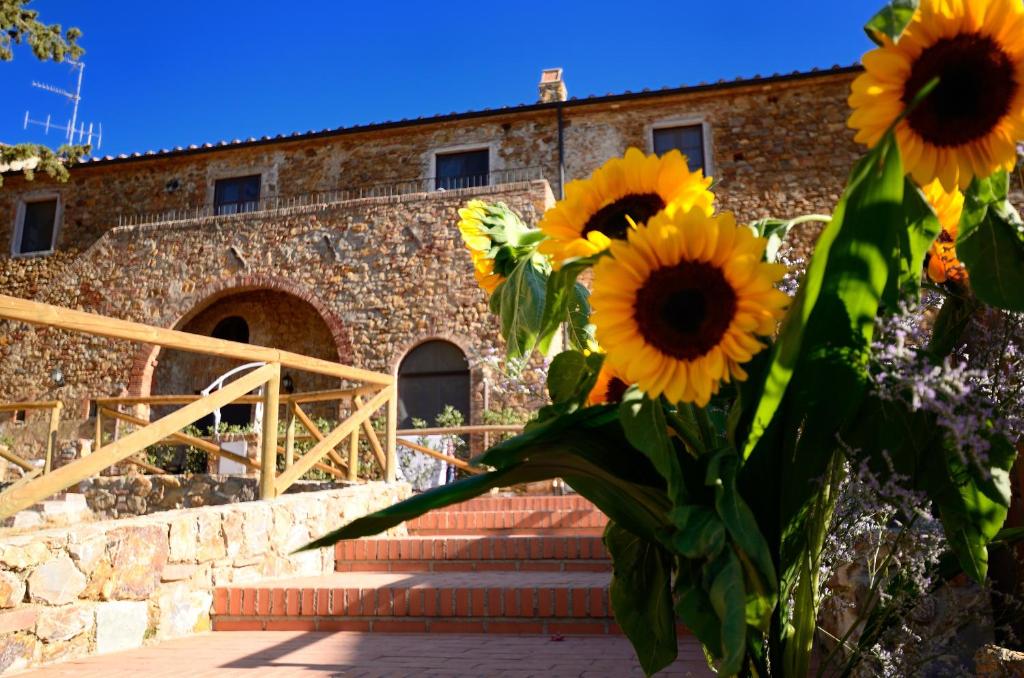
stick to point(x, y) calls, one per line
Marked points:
point(35, 313)
point(459, 430)
point(454, 461)
point(307, 397)
point(16, 460)
point(33, 405)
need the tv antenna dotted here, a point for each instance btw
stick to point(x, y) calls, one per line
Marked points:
point(73, 129)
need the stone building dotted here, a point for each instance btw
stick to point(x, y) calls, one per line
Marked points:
point(342, 243)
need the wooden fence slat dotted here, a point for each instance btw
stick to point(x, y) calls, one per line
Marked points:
point(457, 463)
point(331, 440)
point(371, 435)
point(314, 431)
point(199, 443)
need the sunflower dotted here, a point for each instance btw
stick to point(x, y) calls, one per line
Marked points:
point(967, 126)
point(479, 244)
point(942, 262)
point(678, 303)
point(635, 187)
point(608, 388)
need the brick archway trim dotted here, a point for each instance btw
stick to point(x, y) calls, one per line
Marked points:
point(179, 314)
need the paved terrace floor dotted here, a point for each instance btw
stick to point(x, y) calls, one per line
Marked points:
point(284, 654)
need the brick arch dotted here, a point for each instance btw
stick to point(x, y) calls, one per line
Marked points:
point(178, 315)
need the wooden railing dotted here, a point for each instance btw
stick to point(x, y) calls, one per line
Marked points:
point(406, 433)
point(379, 390)
point(55, 407)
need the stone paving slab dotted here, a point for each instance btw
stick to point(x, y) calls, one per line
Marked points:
point(352, 655)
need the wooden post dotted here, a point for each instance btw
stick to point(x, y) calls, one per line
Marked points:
point(353, 456)
point(289, 436)
point(51, 438)
point(268, 459)
point(99, 429)
point(391, 468)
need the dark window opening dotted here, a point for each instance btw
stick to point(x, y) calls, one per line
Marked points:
point(20, 416)
point(462, 170)
point(37, 226)
point(433, 375)
point(687, 139)
point(232, 328)
point(238, 194)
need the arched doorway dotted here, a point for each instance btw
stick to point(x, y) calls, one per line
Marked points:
point(261, 317)
point(431, 376)
point(231, 328)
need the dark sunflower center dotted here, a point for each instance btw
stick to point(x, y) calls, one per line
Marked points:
point(616, 389)
point(975, 90)
point(611, 219)
point(684, 310)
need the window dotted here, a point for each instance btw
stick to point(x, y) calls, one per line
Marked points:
point(432, 375)
point(238, 194)
point(36, 231)
point(462, 170)
point(688, 139)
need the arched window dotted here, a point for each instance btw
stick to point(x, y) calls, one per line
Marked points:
point(232, 328)
point(432, 375)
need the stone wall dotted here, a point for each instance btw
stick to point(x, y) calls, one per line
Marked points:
point(382, 275)
point(364, 281)
point(139, 495)
point(109, 586)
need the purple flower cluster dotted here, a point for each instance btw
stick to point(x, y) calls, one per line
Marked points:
point(975, 392)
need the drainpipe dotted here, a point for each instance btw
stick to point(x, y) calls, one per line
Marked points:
point(561, 153)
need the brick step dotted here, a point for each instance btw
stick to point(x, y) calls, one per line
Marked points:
point(472, 522)
point(455, 549)
point(476, 566)
point(489, 602)
point(521, 503)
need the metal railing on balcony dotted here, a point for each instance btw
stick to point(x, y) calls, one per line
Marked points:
point(330, 197)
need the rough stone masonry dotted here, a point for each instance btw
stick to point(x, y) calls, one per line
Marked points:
point(363, 281)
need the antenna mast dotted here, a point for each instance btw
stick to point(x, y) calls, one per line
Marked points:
point(73, 128)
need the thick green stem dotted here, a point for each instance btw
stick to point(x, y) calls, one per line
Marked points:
point(707, 429)
point(806, 600)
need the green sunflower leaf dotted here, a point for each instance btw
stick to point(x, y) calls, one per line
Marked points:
point(890, 20)
point(991, 243)
point(519, 303)
point(643, 420)
point(921, 230)
point(641, 597)
point(566, 301)
point(566, 375)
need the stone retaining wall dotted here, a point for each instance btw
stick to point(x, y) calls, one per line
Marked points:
point(139, 495)
point(114, 585)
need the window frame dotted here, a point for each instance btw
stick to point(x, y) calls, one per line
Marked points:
point(689, 121)
point(236, 177)
point(431, 163)
point(19, 223)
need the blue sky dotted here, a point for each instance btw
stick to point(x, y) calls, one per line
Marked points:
point(163, 74)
